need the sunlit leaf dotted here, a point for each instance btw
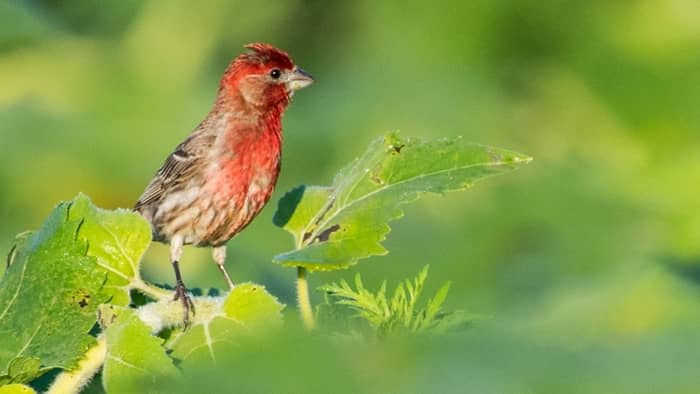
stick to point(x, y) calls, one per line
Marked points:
point(48, 299)
point(16, 389)
point(401, 313)
point(221, 322)
point(117, 239)
point(57, 277)
point(336, 226)
point(135, 361)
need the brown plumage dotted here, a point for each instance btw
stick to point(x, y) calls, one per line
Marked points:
point(221, 176)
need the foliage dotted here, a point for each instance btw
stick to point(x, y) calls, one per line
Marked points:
point(335, 226)
point(401, 311)
point(133, 354)
point(86, 260)
point(138, 360)
point(48, 299)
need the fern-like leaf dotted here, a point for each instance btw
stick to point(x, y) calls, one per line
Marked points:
point(402, 311)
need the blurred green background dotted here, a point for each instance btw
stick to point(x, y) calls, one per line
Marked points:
point(587, 260)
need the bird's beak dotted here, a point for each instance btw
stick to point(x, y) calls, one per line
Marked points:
point(299, 79)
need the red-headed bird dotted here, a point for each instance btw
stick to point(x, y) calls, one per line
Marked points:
point(221, 176)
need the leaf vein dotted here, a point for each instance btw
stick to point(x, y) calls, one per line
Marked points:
point(387, 187)
point(19, 286)
point(29, 341)
point(126, 363)
point(121, 248)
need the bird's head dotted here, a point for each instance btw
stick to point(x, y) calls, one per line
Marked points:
point(264, 76)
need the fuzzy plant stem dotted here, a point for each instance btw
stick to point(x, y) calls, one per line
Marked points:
point(72, 382)
point(152, 291)
point(307, 314)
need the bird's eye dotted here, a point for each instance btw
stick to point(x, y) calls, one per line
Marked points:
point(275, 73)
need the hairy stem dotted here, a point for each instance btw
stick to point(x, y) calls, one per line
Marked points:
point(69, 382)
point(307, 314)
point(152, 291)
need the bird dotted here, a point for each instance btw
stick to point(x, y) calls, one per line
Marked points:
point(220, 177)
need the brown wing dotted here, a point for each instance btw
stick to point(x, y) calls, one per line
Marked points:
point(178, 169)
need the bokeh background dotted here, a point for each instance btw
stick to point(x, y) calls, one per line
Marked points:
point(587, 261)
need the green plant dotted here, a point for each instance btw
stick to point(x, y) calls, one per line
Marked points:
point(336, 226)
point(66, 297)
point(401, 311)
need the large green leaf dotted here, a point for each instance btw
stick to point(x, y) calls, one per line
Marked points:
point(136, 358)
point(221, 322)
point(82, 256)
point(117, 239)
point(135, 361)
point(48, 299)
point(335, 226)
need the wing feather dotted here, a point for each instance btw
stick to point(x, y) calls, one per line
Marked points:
point(178, 169)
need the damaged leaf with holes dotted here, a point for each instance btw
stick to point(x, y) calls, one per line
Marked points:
point(48, 300)
point(57, 276)
point(334, 227)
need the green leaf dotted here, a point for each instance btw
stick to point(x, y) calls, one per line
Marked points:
point(434, 304)
point(117, 239)
point(220, 322)
point(253, 307)
point(16, 389)
point(135, 361)
point(21, 369)
point(401, 313)
point(297, 206)
point(56, 278)
point(48, 299)
point(20, 240)
point(336, 226)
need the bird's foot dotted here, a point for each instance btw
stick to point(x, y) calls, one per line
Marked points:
point(186, 300)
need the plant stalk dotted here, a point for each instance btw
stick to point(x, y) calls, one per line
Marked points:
point(152, 291)
point(307, 314)
point(72, 382)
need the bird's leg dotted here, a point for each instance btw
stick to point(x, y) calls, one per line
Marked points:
point(219, 255)
point(180, 289)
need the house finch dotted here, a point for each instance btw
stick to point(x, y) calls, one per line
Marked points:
point(221, 176)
